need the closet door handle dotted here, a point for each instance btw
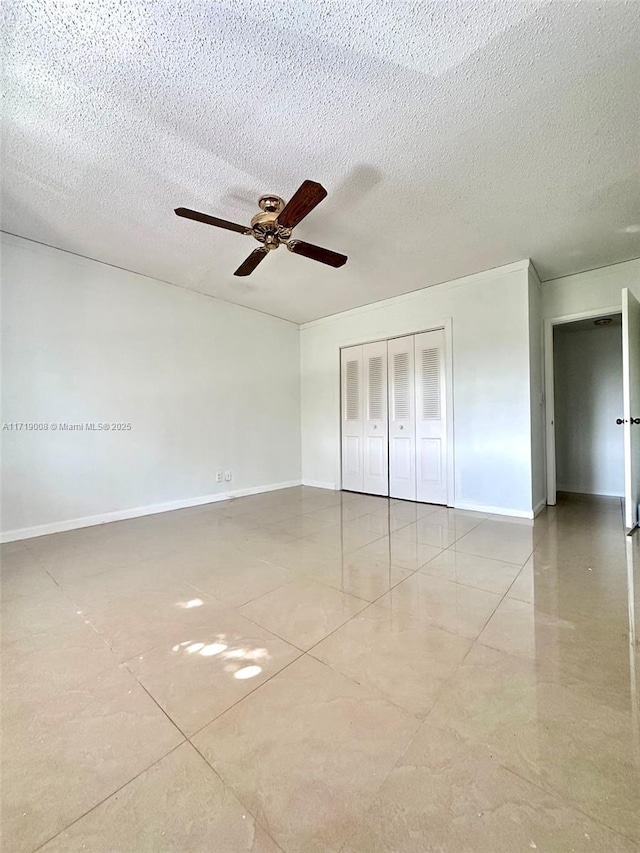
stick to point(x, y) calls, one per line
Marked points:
point(635, 420)
point(621, 421)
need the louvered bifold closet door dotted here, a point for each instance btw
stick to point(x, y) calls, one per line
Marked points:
point(376, 448)
point(402, 452)
point(431, 424)
point(352, 419)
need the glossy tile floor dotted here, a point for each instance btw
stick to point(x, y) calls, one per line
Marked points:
point(314, 671)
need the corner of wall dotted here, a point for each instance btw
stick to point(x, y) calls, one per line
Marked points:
point(533, 275)
point(536, 390)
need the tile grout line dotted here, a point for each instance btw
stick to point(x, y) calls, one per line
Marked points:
point(423, 722)
point(233, 791)
point(249, 600)
point(155, 702)
point(477, 639)
point(304, 652)
point(23, 637)
point(364, 609)
point(551, 793)
point(246, 696)
point(52, 578)
point(493, 612)
point(188, 738)
point(108, 797)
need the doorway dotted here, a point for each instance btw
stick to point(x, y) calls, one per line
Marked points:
point(627, 420)
point(588, 400)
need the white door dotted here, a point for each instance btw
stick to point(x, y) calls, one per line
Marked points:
point(631, 398)
point(352, 420)
point(431, 423)
point(402, 443)
point(376, 447)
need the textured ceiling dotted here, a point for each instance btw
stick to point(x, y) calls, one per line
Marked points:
point(452, 137)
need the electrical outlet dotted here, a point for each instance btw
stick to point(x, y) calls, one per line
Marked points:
point(227, 476)
point(219, 477)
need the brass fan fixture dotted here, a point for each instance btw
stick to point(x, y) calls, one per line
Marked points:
point(273, 227)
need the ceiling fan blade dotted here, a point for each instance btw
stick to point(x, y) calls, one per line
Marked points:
point(211, 220)
point(305, 198)
point(317, 253)
point(248, 265)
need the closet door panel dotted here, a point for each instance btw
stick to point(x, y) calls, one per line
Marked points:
point(352, 419)
point(376, 445)
point(402, 450)
point(431, 426)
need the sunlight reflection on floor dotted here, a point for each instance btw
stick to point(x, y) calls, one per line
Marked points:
point(241, 661)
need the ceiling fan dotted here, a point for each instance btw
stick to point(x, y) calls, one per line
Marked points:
point(274, 225)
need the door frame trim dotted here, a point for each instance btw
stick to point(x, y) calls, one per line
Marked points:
point(447, 325)
point(549, 389)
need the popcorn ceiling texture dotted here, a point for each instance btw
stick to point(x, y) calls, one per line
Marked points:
point(452, 137)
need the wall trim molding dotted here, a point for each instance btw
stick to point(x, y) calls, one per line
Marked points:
point(320, 484)
point(473, 278)
point(599, 493)
point(138, 512)
point(495, 510)
point(596, 272)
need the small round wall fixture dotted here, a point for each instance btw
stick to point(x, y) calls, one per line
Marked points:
point(602, 321)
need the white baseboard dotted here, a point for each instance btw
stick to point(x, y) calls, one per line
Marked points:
point(495, 510)
point(599, 494)
point(320, 484)
point(137, 512)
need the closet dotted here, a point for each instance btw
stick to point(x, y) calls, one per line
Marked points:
point(394, 430)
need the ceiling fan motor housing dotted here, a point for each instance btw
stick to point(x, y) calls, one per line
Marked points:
point(265, 225)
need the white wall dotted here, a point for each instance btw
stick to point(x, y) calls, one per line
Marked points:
point(83, 341)
point(207, 386)
point(588, 397)
point(590, 291)
point(492, 389)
